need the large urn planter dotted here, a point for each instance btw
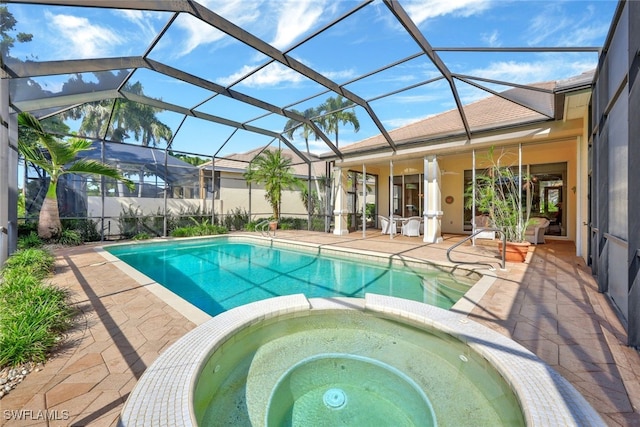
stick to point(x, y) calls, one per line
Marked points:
point(515, 252)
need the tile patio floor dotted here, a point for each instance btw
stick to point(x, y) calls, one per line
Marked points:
point(549, 304)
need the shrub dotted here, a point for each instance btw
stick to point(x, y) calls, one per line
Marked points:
point(86, 228)
point(186, 217)
point(32, 314)
point(182, 232)
point(70, 238)
point(27, 227)
point(32, 317)
point(236, 219)
point(317, 224)
point(130, 221)
point(292, 223)
point(199, 229)
point(31, 240)
point(251, 225)
point(37, 262)
point(133, 221)
point(142, 236)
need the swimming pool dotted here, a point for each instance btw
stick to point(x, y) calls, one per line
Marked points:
point(219, 273)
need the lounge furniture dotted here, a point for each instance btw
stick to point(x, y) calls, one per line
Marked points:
point(397, 221)
point(536, 229)
point(411, 226)
point(388, 227)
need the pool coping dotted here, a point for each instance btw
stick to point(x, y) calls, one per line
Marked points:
point(547, 399)
point(464, 305)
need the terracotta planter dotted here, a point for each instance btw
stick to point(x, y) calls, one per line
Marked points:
point(273, 225)
point(515, 252)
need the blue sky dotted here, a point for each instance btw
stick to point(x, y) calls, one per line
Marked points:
point(362, 43)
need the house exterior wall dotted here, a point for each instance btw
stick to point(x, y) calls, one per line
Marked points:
point(452, 183)
point(452, 167)
point(235, 194)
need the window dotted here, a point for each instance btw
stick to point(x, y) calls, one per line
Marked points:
point(407, 195)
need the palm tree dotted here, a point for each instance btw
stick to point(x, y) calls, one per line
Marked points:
point(140, 119)
point(128, 117)
point(57, 158)
point(304, 128)
point(336, 113)
point(274, 171)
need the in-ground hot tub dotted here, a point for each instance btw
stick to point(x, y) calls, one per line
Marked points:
point(346, 389)
point(262, 363)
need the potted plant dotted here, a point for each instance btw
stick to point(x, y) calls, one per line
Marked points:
point(501, 193)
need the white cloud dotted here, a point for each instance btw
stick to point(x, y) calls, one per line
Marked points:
point(412, 99)
point(295, 17)
point(276, 74)
point(79, 38)
point(421, 12)
point(272, 75)
point(340, 75)
point(556, 26)
point(550, 68)
point(142, 20)
point(492, 39)
point(198, 33)
point(240, 12)
point(512, 71)
point(319, 147)
point(586, 35)
point(546, 25)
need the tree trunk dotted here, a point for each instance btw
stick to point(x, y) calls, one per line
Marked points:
point(49, 225)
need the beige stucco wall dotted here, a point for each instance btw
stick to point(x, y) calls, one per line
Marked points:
point(114, 206)
point(234, 194)
point(452, 180)
point(452, 167)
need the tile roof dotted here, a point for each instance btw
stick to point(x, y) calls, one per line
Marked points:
point(238, 162)
point(488, 113)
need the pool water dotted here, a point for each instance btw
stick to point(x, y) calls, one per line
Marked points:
point(276, 373)
point(346, 389)
point(218, 274)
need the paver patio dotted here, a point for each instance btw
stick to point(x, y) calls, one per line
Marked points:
point(549, 304)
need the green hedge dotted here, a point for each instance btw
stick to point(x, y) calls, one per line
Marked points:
point(33, 314)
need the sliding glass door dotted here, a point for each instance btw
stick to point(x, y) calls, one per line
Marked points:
point(546, 190)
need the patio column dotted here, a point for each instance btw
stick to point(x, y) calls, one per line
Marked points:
point(432, 209)
point(340, 210)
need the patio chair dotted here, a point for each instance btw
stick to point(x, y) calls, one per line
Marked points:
point(536, 229)
point(411, 226)
point(483, 221)
point(385, 224)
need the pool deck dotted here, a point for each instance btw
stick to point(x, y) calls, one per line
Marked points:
point(549, 304)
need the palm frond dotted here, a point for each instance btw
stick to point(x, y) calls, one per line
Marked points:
point(79, 144)
point(34, 155)
point(29, 121)
point(93, 167)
